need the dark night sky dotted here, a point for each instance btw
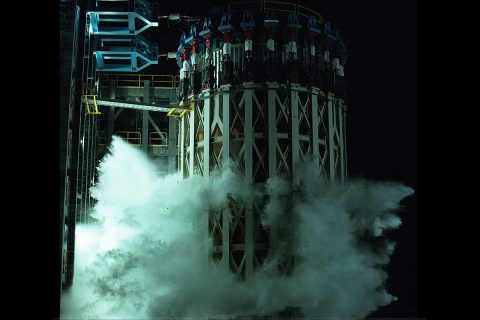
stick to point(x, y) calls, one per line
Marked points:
point(381, 37)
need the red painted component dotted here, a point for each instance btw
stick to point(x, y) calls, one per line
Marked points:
point(248, 34)
point(186, 53)
point(293, 34)
point(194, 47)
point(270, 32)
point(208, 41)
point(327, 44)
point(227, 37)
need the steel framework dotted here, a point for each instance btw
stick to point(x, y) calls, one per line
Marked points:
point(262, 131)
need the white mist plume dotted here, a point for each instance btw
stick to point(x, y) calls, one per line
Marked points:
point(148, 256)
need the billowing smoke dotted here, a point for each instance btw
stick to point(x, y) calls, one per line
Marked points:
point(149, 254)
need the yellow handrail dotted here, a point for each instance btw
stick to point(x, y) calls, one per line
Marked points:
point(129, 136)
point(151, 138)
point(136, 80)
point(135, 136)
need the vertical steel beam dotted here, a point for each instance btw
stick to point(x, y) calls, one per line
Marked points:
point(111, 114)
point(226, 217)
point(226, 126)
point(272, 150)
point(146, 99)
point(248, 108)
point(94, 151)
point(172, 145)
point(182, 147)
point(314, 136)
point(345, 141)
point(191, 147)
point(272, 131)
point(225, 161)
point(295, 137)
point(248, 154)
point(341, 142)
point(331, 130)
point(86, 194)
point(206, 134)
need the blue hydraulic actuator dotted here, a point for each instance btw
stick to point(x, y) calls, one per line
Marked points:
point(117, 54)
point(115, 26)
point(127, 17)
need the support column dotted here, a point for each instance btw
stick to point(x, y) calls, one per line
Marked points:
point(345, 141)
point(225, 161)
point(206, 134)
point(248, 154)
point(86, 194)
point(248, 108)
point(226, 126)
point(146, 99)
point(272, 151)
point(272, 131)
point(182, 137)
point(315, 127)
point(226, 217)
point(111, 114)
point(295, 137)
point(172, 145)
point(191, 147)
point(341, 142)
point(331, 130)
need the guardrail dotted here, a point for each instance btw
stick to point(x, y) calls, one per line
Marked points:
point(131, 137)
point(165, 81)
point(134, 138)
point(263, 5)
point(155, 139)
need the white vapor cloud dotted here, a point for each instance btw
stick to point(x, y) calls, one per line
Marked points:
point(149, 254)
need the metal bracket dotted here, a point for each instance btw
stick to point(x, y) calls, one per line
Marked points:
point(183, 109)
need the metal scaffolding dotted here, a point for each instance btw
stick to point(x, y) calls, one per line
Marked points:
point(111, 43)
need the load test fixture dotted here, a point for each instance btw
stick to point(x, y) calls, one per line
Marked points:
point(258, 89)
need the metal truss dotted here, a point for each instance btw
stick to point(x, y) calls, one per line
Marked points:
point(262, 131)
point(119, 48)
point(86, 170)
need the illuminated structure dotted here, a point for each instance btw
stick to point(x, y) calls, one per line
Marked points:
point(262, 91)
point(277, 100)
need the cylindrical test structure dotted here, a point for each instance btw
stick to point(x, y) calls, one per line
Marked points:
point(262, 130)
